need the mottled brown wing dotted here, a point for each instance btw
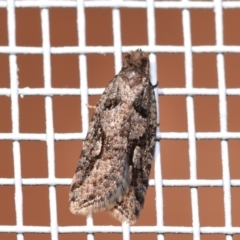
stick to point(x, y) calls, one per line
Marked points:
point(129, 209)
point(100, 178)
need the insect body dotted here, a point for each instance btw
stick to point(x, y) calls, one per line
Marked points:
point(113, 169)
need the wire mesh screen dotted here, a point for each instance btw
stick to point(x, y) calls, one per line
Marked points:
point(56, 58)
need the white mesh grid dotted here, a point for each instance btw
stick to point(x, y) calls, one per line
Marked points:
point(49, 137)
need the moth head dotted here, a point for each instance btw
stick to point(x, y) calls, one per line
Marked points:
point(136, 61)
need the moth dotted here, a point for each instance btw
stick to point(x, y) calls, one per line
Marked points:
point(113, 170)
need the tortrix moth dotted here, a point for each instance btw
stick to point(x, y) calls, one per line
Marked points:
point(113, 169)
